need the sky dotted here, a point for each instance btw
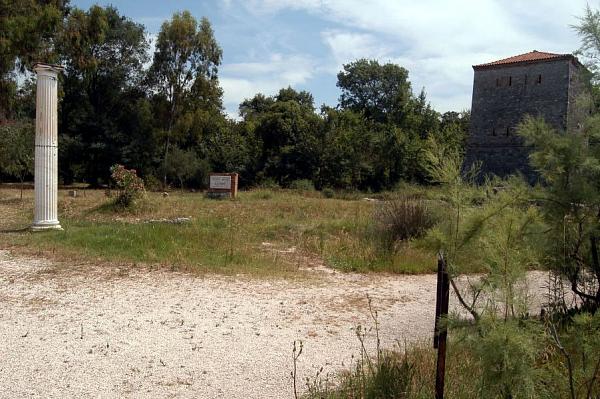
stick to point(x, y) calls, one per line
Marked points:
point(270, 44)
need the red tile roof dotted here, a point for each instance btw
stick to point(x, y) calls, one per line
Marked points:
point(533, 56)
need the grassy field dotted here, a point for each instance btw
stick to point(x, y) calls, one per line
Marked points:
point(262, 232)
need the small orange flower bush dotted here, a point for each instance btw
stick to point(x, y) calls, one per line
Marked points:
point(129, 184)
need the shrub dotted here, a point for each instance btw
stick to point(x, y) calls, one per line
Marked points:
point(302, 185)
point(269, 184)
point(387, 375)
point(401, 219)
point(152, 183)
point(129, 184)
point(328, 192)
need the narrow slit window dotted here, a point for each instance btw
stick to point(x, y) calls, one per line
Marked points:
point(539, 79)
point(510, 80)
point(507, 131)
point(493, 131)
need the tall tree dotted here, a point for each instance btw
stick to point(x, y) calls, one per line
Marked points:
point(255, 106)
point(186, 61)
point(588, 30)
point(283, 132)
point(347, 150)
point(103, 53)
point(569, 164)
point(27, 32)
point(381, 92)
point(16, 151)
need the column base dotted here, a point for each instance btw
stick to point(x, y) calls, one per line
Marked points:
point(45, 226)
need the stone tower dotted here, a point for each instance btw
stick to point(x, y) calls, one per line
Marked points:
point(504, 91)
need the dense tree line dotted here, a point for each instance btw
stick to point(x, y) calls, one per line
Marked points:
point(162, 113)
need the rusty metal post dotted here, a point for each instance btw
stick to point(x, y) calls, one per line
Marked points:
point(437, 304)
point(441, 333)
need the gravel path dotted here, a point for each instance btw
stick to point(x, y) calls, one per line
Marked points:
point(131, 333)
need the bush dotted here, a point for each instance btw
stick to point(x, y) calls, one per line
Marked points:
point(328, 192)
point(302, 185)
point(152, 183)
point(268, 184)
point(401, 219)
point(129, 184)
point(389, 377)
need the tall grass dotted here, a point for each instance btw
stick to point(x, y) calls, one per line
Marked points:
point(400, 219)
point(406, 372)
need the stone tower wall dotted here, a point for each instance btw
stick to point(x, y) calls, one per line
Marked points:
point(502, 96)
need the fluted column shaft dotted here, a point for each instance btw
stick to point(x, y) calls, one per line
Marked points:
point(46, 149)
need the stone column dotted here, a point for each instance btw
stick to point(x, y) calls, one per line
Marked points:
point(46, 149)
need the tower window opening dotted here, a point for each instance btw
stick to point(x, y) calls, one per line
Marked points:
point(507, 131)
point(539, 79)
point(510, 80)
point(493, 131)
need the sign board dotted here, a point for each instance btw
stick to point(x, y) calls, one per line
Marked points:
point(220, 182)
point(222, 185)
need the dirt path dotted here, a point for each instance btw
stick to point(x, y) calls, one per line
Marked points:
point(110, 333)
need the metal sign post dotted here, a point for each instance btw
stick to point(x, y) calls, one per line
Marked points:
point(441, 332)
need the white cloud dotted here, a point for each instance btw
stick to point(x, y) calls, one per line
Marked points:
point(245, 79)
point(437, 40)
point(346, 46)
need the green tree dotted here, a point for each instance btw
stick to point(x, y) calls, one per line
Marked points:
point(103, 53)
point(255, 106)
point(347, 150)
point(500, 238)
point(183, 164)
point(100, 43)
point(381, 92)
point(285, 130)
point(588, 30)
point(399, 121)
point(141, 144)
point(569, 164)
point(229, 150)
point(16, 151)
point(184, 69)
point(420, 117)
point(27, 32)
point(302, 98)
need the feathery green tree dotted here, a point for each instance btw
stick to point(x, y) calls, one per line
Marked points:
point(184, 71)
point(103, 54)
point(27, 32)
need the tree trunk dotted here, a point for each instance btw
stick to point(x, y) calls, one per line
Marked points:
point(22, 183)
point(165, 162)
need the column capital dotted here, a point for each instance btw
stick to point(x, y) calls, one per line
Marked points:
point(47, 69)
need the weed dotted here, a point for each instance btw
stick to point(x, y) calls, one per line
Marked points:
point(328, 192)
point(388, 375)
point(401, 219)
point(302, 185)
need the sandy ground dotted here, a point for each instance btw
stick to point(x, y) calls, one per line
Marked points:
point(108, 332)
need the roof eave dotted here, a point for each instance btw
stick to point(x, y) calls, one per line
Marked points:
point(570, 57)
